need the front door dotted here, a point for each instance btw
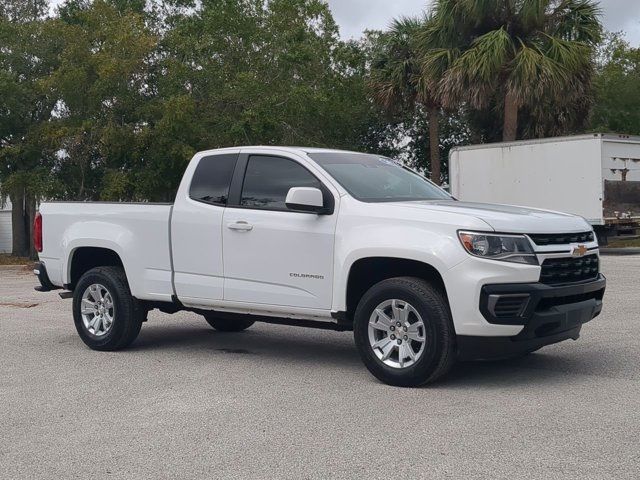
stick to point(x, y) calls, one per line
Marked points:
point(272, 255)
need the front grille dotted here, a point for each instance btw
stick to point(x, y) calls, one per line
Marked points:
point(567, 270)
point(561, 238)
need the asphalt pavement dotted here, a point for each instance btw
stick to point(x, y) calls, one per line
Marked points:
point(186, 401)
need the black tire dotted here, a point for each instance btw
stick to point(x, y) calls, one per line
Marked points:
point(430, 302)
point(227, 323)
point(127, 313)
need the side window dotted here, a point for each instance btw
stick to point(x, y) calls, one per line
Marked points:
point(268, 180)
point(212, 177)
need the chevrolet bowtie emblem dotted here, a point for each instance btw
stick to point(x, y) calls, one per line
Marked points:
point(578, 251)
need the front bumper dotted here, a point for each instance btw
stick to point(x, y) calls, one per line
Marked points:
point(549, 314)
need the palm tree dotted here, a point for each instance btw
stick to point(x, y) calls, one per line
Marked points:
point(524, 50)
point(397, 81)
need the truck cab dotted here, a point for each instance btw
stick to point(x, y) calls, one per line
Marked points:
point(327, 239)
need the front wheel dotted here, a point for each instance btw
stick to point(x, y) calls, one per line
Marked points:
point(404, 333)
point(106, 315)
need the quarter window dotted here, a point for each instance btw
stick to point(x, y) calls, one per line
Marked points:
point(268, 180)
point(212, 178)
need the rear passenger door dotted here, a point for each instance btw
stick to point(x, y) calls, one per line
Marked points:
point(274, 255)
point(196, 231)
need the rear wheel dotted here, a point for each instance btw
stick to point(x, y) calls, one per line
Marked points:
point(404, 333)
point(106, 315)
point(224, 323)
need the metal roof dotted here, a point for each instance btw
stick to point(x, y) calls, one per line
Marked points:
point(603, 136)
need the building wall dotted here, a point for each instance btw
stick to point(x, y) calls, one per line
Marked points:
point(5, 228)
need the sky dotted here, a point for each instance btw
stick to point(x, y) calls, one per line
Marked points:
point(354, 16)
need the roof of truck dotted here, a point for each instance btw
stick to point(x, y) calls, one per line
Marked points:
point(298, 150)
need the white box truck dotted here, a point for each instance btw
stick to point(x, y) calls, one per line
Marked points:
point(595, 176)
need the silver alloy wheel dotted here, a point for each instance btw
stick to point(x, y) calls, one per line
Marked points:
point(96, 308)
point(397, 333)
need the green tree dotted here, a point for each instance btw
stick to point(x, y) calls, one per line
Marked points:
point(518, 54)
point(27, 57)
point(21, 11)
point(102, 89)
point(617, 88)
point(109, 99)
point(398, 83)
point(238, 72)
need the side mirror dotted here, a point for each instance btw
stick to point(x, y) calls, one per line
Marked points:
point(305, 199)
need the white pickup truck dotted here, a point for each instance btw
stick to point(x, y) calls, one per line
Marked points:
point(328, 239)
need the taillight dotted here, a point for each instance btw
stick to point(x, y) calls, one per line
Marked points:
point(37, 232)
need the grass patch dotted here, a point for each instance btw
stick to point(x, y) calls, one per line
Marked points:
point(624, 243)
point(6, 259)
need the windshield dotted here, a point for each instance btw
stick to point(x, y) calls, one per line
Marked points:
point(372, 178)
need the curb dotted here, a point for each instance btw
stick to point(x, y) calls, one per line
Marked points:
point(26, 268)
point(620, 251)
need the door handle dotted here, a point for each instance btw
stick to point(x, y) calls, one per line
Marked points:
point(240, 225)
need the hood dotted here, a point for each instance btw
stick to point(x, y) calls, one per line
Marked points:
point(507, 218)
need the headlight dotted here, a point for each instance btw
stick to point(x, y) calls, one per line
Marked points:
point(508, 248)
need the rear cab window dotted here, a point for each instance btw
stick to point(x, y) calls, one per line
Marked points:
point(212, 179)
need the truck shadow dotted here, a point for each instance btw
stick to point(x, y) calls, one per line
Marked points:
point(286, 345)
point(537, 368)
point(268, 343)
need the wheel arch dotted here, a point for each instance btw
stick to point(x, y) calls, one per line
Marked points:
point(84, 258)
point(107, 240)
point(367, 271)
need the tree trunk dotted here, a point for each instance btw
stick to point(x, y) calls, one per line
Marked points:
point(510, 128)
point(19, 225)
point(30, 215)
point(434, 146)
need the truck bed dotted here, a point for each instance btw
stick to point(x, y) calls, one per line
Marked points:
point(137, 232)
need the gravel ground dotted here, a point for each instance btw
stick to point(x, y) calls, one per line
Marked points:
point(280, 402)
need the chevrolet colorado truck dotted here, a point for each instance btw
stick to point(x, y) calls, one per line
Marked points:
point(328, 239)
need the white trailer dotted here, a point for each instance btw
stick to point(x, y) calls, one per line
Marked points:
point(595, 176)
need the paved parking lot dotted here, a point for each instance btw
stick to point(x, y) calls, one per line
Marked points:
point(280, 402)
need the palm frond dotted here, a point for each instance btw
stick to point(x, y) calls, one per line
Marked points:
point(479, 11)
point(478, 69)
point(474, 74)
point(532, 73)
point(435, 62)
point(395, 72)
point(532, 13)
point(449, 23)
point(573, 55)
point(576, 20)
